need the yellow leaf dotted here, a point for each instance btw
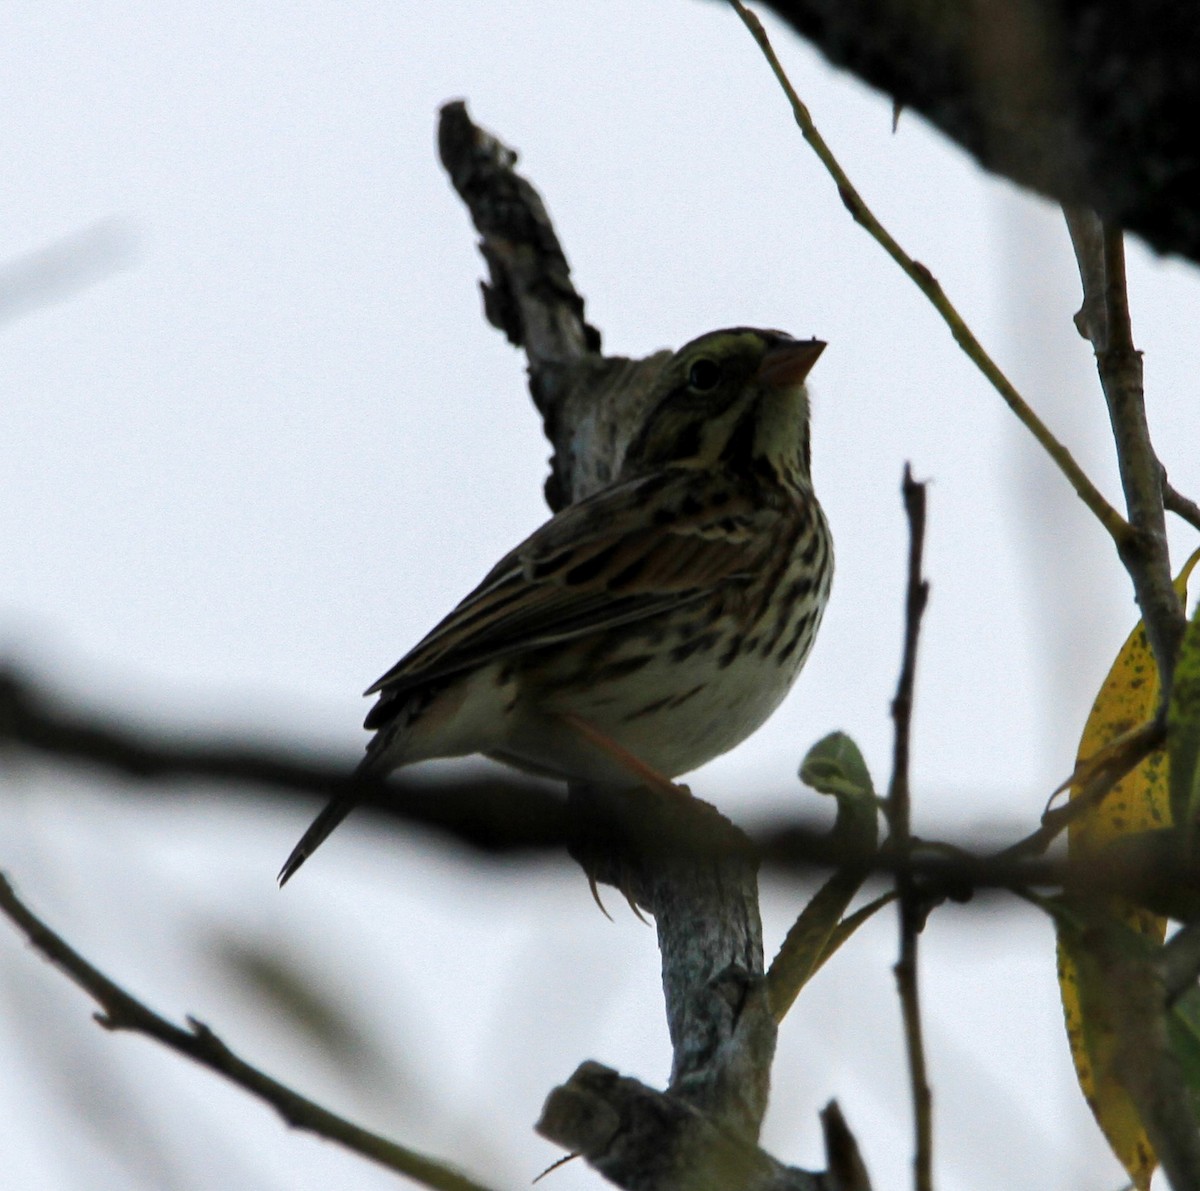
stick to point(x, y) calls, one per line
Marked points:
point(1139, 802)
point(1183, 733)
point(1091, 1019)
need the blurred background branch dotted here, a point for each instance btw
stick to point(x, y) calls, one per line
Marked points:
point(520, 817)
point(62, 268)
point(121, 1011)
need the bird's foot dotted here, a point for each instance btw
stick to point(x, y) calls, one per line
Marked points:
point(645, 775)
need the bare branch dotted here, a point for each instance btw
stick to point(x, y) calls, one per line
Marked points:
point(898, 808)
point(590, 404)
point(493, 814)
point(1179, 504)
point(121, 1011)
point(1104, 320)
point(645, 1140)
point(530, 297)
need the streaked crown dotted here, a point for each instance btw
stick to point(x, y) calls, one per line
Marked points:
point(734, 399)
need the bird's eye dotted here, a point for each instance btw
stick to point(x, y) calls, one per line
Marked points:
point(704, 375)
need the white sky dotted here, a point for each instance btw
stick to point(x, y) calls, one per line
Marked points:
point(247, 468)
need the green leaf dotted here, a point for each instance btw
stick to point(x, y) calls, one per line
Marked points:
point(835, 766)
point(832, 766)
point(1183, 1029)
point(1183, 732)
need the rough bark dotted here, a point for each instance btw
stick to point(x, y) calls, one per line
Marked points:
point(676, 857)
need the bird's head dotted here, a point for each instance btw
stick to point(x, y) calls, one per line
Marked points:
point(733, 399)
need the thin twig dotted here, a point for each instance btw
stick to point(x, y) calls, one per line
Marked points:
point(1104, 321)
point(899, 822)
point(1095, 777)
point(1179, 504)
point(121, 1011)
point(1087, 240)
point(844, 1164)
point(1117, 527)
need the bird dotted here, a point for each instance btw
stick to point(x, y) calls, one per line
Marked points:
point(650, 626)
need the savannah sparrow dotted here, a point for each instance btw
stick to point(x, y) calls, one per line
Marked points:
point(651, 626)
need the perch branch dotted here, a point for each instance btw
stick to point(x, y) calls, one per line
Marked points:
point(698, 875)
point(702, 888)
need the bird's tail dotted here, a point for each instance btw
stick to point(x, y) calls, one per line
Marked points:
point(338, 807)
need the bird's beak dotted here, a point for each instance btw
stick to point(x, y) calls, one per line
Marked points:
point(787, 364)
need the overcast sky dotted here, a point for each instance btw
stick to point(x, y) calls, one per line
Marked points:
point(259, 438)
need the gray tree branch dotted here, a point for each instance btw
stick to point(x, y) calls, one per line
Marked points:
point(704, 897)
point(645, 1140)
point(590, 403)
point(1104, 320)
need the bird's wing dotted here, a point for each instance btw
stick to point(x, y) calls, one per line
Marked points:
point(626, 553)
